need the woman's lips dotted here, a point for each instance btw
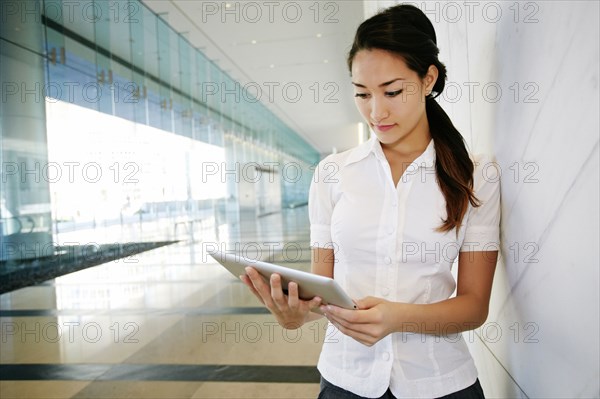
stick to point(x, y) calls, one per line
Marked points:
point(383, 128)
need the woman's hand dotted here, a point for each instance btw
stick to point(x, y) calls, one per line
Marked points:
point(290, 311)
point(371, 322)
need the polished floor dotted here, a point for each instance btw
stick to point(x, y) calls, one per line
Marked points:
point(166, 323)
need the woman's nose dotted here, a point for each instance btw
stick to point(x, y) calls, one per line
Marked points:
point(378, 111)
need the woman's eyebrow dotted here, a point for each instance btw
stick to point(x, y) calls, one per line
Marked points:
point(381, 85)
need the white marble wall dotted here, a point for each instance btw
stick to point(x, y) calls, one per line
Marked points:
point(533, 67)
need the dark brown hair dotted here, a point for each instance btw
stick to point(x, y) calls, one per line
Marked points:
point(405, 31)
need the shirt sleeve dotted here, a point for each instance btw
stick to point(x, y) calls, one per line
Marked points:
point(320, 205)
point(483, 223)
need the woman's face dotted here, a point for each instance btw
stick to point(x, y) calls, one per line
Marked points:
point(391, 97)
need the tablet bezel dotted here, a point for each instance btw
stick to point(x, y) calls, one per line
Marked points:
point(309, 284)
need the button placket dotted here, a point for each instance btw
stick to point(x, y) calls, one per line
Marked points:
point(386, 259)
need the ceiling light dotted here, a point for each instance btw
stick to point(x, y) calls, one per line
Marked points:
point(253, 42)
point(319, 35)
point(272, 66)
point(227, 5)
point(325, 61)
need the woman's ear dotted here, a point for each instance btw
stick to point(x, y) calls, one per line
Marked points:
point(430, 78)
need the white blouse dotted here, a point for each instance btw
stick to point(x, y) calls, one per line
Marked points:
point(385, 245)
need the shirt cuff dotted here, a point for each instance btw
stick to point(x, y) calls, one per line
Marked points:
point(481, 238)
point(320, 236)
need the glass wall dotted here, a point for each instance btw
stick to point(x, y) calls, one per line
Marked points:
point(116, 129)
point(25, 218)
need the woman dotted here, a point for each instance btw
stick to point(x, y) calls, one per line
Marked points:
point(389, 224)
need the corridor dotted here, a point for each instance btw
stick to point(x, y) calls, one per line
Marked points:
point(165, 323)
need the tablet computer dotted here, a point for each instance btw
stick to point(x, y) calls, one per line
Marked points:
point(309, 284)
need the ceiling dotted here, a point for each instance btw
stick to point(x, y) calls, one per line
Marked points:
point(293, 51)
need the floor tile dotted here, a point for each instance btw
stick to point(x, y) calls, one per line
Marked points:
point(40, 389)
point(138, 389)
point(235, 390)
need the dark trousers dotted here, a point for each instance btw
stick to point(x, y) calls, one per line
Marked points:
point(330, 391)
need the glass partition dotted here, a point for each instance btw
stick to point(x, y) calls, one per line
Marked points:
point(132, 134)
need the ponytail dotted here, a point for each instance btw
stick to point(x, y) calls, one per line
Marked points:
point(453, 166)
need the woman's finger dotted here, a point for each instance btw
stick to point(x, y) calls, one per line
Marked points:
point(361, 337)
point(261, 287)
point(355, 328)
point(293, 300)
point(315, 303)
point(351, 316)
point(277, 292)
point(248, 283)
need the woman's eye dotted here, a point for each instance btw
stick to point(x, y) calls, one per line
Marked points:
point(361, 95)
point(393, 93)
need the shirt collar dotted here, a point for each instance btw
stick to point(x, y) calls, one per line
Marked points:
point(426, 159)
point(363, 150)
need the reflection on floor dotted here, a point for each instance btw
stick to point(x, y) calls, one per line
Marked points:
point(19, 273)
point(167, 323)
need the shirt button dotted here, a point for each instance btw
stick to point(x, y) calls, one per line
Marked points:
point(387, 260)
point(385, 291)
point(391, 229)
point(385, 356)
point(394, 204)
